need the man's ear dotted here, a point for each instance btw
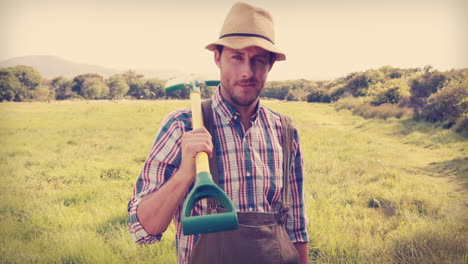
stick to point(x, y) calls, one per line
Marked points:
point(217, 57)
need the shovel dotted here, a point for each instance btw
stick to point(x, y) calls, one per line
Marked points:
point(204, 188)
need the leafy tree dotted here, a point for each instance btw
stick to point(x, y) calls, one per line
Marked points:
point(297, 95)
point(276, 89)
point(94, 88)
point(42, 93)
point(392, 73)
point(395, 74)
point(90, 86)
point(292, 97)
point(10, 86)
point(29, 78)
point(337, 92)
point(63, 88)
point(292, 90)
point(180, 94)
point(391, 96)
point(359, 83)
point(29, 81)
point(319, 95)
point(118, 87)
point(422, 87)
point(27, 75)
point(78, 81)
point(156, 88)
point(448, 104)
point(207, 91)
point(390, 92)
point(137, 88)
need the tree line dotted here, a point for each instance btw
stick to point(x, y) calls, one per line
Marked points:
point(433, 96)
point(24, 83)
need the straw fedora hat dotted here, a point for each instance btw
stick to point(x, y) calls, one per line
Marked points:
point(247, 26)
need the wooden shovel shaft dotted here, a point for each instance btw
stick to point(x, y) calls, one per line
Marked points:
point(202, 162)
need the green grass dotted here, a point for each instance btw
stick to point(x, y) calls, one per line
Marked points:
point(377, 191)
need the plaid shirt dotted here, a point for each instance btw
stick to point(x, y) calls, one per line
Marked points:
point(249, 166)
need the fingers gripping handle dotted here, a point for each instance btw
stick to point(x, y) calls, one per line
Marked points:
point(202, 161)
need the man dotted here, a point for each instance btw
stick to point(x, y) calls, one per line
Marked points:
point(248, 150)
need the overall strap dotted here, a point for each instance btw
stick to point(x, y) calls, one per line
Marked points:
point(288, 137)
point(208, 122)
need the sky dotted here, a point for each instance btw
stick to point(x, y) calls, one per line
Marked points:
point(322, 39)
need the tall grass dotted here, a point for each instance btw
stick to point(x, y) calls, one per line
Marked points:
point(376, 191)
point(383, 111)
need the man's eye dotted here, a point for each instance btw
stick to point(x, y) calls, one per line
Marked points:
point(259, 60)
point(236, 57)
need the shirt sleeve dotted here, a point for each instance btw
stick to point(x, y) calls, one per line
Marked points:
point(161, 164)
point(296, 224)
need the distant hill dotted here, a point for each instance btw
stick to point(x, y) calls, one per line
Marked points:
point(53, 66)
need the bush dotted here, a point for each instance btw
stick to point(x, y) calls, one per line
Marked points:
point(21, 83)
point(118, 87)
point(62, 88)
point(319, 95)
point(276, 90)
point(292, 97)
point(90, 86)
point(391, 96)
point(447, 105)
point(424, 86)
point(404, 101)
point(359, 83)
point(10, 86)
point(390, 92)
point(337, 92)
point(462, 124)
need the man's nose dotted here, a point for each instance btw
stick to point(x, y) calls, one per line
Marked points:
point(247, 70)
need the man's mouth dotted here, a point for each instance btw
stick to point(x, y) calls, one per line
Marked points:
point(247, 84)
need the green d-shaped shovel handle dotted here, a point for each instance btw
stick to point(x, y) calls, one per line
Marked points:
point(205, 188)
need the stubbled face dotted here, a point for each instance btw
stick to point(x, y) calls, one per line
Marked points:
point(243, 74)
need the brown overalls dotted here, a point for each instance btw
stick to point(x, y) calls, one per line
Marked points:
point(261, 237)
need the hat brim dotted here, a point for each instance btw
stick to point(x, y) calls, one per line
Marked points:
point(238, 42)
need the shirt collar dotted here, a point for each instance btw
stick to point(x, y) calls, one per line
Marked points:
point(226, 110)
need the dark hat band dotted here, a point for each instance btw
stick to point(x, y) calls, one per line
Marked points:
point(246, 35)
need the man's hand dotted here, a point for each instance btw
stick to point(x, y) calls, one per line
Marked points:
point(157, 209)
point(193, 142)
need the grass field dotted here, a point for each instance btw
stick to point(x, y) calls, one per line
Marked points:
point(392, 191)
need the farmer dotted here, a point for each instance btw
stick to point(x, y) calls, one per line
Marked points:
point(248, 151)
